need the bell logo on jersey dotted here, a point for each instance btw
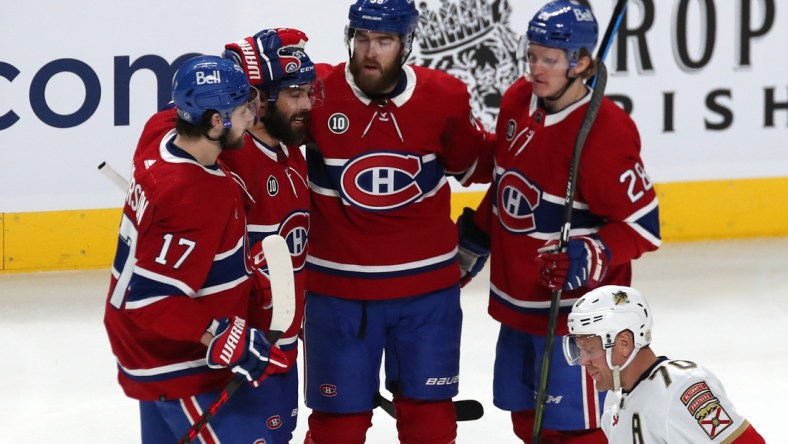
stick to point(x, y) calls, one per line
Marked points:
point(380, 181)
point(210, 78)
point(517, 199)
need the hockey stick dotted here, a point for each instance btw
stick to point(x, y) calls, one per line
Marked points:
point(280, 272)
point(555, 300)
point(114, 176)
point(466, 410)
point(599, 82)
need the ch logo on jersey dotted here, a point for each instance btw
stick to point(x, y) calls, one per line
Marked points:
point(294, 229)
point(517, 199)
point(380, 181)
point(511, 128)
point(329, 390)
point(272, 186)
point(338, 123)
point(274, 422)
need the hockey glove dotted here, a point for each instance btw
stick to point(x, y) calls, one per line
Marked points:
point(584, 263)
point(474, 247)
point(262, 57)
point(245, 351)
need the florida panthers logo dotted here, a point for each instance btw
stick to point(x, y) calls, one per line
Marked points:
point(294, 230)
point(381, 181)
point(516, 199)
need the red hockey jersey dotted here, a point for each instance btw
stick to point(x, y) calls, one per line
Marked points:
point(381, 225)
point(181, 261)
point(275, 178)
point(615, 200)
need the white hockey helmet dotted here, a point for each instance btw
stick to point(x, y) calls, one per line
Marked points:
point(606, 312)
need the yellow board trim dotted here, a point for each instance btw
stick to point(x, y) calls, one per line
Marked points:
point(689, 211)
point(59, 240)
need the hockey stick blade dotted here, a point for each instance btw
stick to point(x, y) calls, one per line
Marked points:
point(466, 410)
point(280, 274)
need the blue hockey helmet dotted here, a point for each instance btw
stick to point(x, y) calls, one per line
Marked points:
point(205, 83)
point(564, 24)
point(399, 16)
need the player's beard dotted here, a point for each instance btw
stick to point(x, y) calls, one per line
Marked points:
point(375, 84)
point(285, 127)
point(230, 141)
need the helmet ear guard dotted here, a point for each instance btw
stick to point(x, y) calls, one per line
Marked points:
point(205, 83)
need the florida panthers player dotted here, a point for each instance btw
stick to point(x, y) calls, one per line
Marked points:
point(274, 171)
point(615, 219)
point(382, 267)
point(177, 302)
point(652, 399)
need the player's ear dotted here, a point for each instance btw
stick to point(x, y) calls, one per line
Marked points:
point(626, 343)
point(582, 64)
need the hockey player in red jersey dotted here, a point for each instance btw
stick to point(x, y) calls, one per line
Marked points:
point(651, 399)
point(614, 220)
point(382, 266)
point(274, 171)
point(178, 298)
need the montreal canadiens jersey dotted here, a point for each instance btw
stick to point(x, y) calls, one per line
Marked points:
point(676, 402)
point(275, 177)
point(523, 208)
point(381, 225)
point(181, 261)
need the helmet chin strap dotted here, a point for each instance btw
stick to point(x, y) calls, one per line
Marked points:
point(559, 94)
point(221, 140)
point(617, 369)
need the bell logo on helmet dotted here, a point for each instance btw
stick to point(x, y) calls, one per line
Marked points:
point(583, 16)
point(210, 79)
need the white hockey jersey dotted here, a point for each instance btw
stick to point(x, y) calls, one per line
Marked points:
point(675, 402)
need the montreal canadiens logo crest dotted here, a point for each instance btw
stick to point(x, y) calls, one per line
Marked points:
point(274, 422)
point(294, 230)
point(517, 199)
point(381, 181)
point(329, 390)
